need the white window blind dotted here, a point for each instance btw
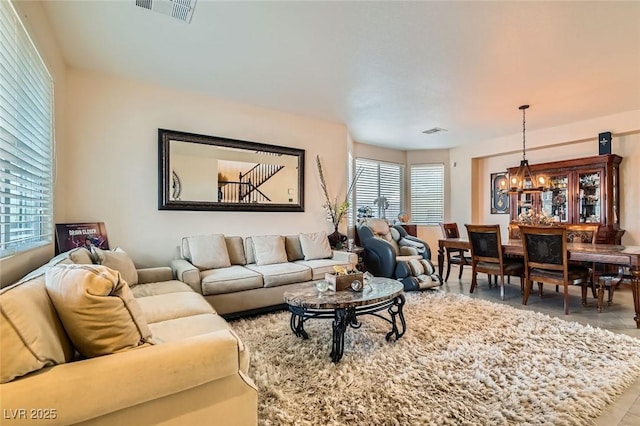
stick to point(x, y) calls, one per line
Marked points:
point(26, 139)
point(379, 179)
point(427, 194)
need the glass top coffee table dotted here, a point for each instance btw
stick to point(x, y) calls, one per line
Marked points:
point(344, 307)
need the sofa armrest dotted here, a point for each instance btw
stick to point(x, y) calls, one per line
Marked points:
point(345, 256)
point(154, 275)
point(82, 390)
point(187, 273)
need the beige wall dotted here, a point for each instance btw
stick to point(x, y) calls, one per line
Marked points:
point(574, 140)
point(112, 169)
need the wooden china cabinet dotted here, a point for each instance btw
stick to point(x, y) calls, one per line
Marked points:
point(582, 190)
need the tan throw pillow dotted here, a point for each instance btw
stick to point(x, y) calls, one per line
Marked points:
point(269, 249)
point(209, 251)
point(120, 261)
point(96, 308)
point(315, 246)
point(293, 247)
point(235, 248)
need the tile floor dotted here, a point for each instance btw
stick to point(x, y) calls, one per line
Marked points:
point(617, 318)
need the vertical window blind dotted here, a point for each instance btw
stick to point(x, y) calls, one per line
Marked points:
point(427, 194)
point(379, 179)
point(26, 139)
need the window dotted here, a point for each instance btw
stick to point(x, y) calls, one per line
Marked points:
point(427, 194)
point(26, 139)
point(379, 179)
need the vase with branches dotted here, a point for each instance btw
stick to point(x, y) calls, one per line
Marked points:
point(336, 210)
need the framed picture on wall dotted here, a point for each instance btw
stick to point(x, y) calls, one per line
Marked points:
point(73, 235)
point(499, 195)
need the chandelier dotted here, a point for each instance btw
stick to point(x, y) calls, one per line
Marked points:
point(524, 180)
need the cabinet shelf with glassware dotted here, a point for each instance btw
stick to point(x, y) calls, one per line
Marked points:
point(582, 190)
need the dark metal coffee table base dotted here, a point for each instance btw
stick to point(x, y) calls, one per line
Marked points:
point(343, 317)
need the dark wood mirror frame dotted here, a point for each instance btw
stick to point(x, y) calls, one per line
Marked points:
point(170, 184)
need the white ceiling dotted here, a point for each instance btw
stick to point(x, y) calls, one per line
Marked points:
point(388, 70)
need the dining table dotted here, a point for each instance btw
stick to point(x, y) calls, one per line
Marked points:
point(606, 254)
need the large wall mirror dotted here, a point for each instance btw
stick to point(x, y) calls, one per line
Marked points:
point(198, 172)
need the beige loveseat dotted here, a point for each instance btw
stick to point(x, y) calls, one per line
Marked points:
point(238, 276)
point(186, 365)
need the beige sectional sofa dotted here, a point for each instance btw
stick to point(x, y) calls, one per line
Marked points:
point(176, 361)
point(239, 276)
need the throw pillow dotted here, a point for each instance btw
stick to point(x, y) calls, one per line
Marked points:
point(269, 249)
point(293, 247)
point(96, 308)
point(315, 246)
point(209, 251)
point(120, 261)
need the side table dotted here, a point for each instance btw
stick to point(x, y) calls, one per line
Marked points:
point(359, 251)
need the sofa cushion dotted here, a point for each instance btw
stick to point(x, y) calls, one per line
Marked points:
point(32, 334)
point(235, 248)
point(319, 267)
point(182, 328)
point(315, 246)
point(164, 287)
point(120, 261)
point(97, 309)
point(282, 273)
point(269, 249)
point(229, 280)
point(293, 247)
point(185, 327)
point(208, 251)
point(168, 306)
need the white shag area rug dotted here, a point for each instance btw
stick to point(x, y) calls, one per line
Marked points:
point(462, 361)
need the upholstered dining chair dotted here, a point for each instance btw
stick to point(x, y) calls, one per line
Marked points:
point(454, 256)
point(487, 256)
point(546, 261)
point(585, 233)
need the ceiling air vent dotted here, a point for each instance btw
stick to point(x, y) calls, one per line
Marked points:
point(181, 10)
point(434, 130)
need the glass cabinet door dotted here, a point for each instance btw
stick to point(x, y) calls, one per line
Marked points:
point(525, 202)
point(589, 200)
point(555, 201)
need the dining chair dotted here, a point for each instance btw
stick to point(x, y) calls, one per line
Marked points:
point(454, 256)
point(487, 256)
point(582, 232)
point(610, 281)
point(546, 261)
point(585, 233)
point(514, 231)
